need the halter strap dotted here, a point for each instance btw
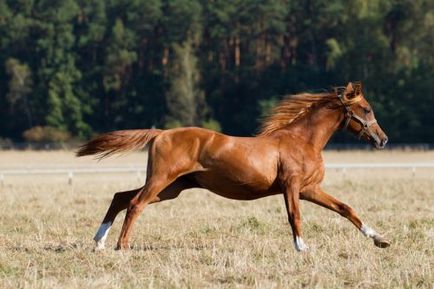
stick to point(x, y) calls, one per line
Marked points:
point(349, 115)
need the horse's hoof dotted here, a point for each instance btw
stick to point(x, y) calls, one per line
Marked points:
point(122, 247)
point(99, 246)
point(303, 249)
point(300, 245)
point(381, 242)
point(98, 249)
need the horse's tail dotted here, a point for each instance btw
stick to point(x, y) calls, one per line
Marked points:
point(118, 141)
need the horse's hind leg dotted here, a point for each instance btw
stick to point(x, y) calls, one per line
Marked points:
point(323, 199)
point(174, 189)
point(120, 202)
point(155, 190)
point(137, 204)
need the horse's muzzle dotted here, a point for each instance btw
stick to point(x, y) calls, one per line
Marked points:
point(382, 143)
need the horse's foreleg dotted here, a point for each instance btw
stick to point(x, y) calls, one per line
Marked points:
point(120, 202)
point(291, 195)
point(321, 198)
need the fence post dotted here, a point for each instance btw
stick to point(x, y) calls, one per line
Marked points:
point(70, 177)
point(344, 172)
point(2, 179)
point(413, 171)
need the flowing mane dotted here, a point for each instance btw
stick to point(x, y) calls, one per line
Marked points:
point(294, 107)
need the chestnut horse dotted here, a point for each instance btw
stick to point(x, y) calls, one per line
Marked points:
point(284, 158)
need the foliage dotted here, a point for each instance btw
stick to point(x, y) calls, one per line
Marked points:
point(185, 99)
point(212, 124)
point(20, 86)
point(45, 134)
point(91, 66)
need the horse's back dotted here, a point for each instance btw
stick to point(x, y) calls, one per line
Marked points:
point(209, 146)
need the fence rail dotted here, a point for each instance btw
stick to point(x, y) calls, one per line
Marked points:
point(70, 172)
point(379, 165)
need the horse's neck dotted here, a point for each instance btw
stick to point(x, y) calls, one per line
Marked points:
point(317, 127)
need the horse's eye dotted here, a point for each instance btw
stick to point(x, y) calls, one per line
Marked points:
point(367, 110)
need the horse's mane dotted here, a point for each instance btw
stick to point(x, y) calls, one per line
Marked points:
point(294, 107)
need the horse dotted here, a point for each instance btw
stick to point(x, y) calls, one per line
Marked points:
point(285, 158)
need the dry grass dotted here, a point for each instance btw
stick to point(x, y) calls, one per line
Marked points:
point(204, 241)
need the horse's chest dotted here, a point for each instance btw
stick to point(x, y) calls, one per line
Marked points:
point(313, 174)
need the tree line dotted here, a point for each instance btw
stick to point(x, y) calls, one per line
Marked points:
point(72, 68)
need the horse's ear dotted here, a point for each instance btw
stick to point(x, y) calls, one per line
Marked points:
point(357, 87)
point(349, 88)
point(349, 91)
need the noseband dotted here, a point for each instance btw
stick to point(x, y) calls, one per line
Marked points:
point(349, 115)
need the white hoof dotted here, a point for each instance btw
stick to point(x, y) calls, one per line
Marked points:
point(99, 245)
point(101, 235)
point(368, 231)
point(300, 245)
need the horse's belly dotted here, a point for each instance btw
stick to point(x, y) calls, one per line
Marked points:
point(233, 189)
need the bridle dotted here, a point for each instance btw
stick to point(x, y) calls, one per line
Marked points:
point(349, 115)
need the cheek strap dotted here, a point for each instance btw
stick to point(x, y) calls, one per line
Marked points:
point(365, 127)
point(349, 114)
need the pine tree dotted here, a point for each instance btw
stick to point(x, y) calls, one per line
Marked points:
point(20, 87)
point(185, 98)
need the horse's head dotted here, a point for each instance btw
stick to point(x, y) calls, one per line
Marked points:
point(359, 115)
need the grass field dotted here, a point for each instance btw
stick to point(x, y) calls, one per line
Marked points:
point(204, 241)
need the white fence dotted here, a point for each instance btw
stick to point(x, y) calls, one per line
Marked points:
point(70, 172)
point(411, 166)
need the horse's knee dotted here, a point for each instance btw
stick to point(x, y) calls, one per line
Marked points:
point(134, 207)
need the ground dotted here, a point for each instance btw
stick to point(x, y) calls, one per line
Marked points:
point(204, 241)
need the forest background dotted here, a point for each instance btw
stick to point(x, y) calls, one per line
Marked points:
point(73, 68)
